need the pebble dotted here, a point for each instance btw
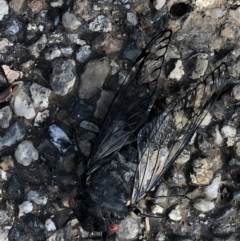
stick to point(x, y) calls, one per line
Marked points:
point(204, 3)
point(36, 198)
point(74, 38)
point(83, 53)
point(25, 207)
point(237, 148)
point(50, 225)
point(235, 14)
point(70, 21)
point(3, 217)
point(157, 209)
point(216, 12)
point(56, 3)
point(26, 153)
point(107, 44)
point(4, 231)
point(175, 214)
point(59, 138)
point(131, 52)
point(38, 46)
point(178, 71)
point(16, 5)
point(93, 77)
point(236, 92)
point(4, 9)
point(12, 27)
point(203, 205)
point(40, 96)
point(89, 126)
point(41, 117)
point(158, 4)
point(5, 116)
point(212, 190)
point(131, 17)
point(12, 75)
point(3, 175)
point(183, 157)
point(103, 104)
point(128, 229)
point(101, 24)
point(4, 45)
point(218, 137)
point(13, 134)
point(63, 76)
point(228, 131)
point(22, 104)
point(207, 120)
point(85, 147)
point(114, 67)
point(201, 64)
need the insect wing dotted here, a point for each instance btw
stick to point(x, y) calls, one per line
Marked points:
point(161, 141)
point(132, 103)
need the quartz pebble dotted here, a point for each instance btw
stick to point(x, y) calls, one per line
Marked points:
point(40, 95)
point(59, 138)
point(178, 71)
point(204, 3)
point(25, 207)
point(50, 225)
point(203, 205)
point(175, 214)
point(158, 4)
point(26, 153)
point(70, 21)
point(83, 53)
point(131, 17)
point(101, 24)
point(212, 189)
point(228, 131)
point(4, 45)
point(3, 9)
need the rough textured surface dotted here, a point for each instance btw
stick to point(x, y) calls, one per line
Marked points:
point(81, 51)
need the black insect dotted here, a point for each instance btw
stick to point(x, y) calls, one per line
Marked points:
point(112, 186)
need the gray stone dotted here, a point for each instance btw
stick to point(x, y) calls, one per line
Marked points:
point(5, 116)
point(128, 229)
point(13, 134)
point(63, 76)
point(89, 126)
point(70, 21)
point(13, 26)
point(83, 53)
point(131, 17)
point(101, 24)
point(37, 47)
point(235, 14)
point(93, 77)
point(203, 205)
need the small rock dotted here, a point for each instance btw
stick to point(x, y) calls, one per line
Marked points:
point(4, 233)
point(35, 5)
point(26, 153)
point(25, 207)
point(227, 31)
point(4, 44)
point(157, 209)
point(201, 63)
point(131, 17)
point(50, 225)
point(16, 5)
point(59, 138)
point(74, 38)
point(6, 163)
point(93, 77)
point(236, 92)
point(216, 12)
point(183, 157)
point(13, 134)
point(178, 71)
point(114, 67)
point(128, 229)
point(22, 104)
point(3, 217)
point(206, 121)
point(41, 117)
point(107, 44)
point(3, 9)
point(83, 9)
point(5, 116)
point(3, 175)
point(13, 26)
point(100, 24)
point(203, 205)
point(218, 137)
point(237, 148)
point(12, 75)
point(70, 21)
point(131, 52)
point(85, 147)
point(158, 4)
point(175, 214)
point(103, 104)
point(212, 190)
point(38, 46)
point(36, 198)
point(235, 14)
point(83, 53)
point(40, 95)
point(228, 131)
point(89, 126)
point(56, 3)
point(204, 3)
point(64, 76)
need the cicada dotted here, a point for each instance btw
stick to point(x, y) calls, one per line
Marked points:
point(111, 187)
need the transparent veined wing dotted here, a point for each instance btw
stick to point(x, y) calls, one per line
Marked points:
point(132, 103)
point(161, 141)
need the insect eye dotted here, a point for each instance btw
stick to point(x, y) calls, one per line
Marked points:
point(113, 228)
point(71, 202)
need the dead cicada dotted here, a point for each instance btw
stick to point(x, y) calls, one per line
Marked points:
point(108, 190)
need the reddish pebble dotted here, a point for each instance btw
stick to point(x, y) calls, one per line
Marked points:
point(113, 228)
point(71, 202)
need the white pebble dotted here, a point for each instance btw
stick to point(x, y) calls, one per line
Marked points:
point(131, 17)
point(158, 4)
point(40, 95)
point(178, 71)
point(3, 175)
point(36, 198)
point(25, 207)
point(50, 225)
point(203, 205)
point(4, 233)
point(204, 3)
point(3, 9)
point(212, 189)
point(26, 153)
point(206, 121)
point(175, 214)
point(236, 92)
point(218, 137)
point(228, 131)
point(157, 209)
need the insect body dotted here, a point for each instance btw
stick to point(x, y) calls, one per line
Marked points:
point(103, 200)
